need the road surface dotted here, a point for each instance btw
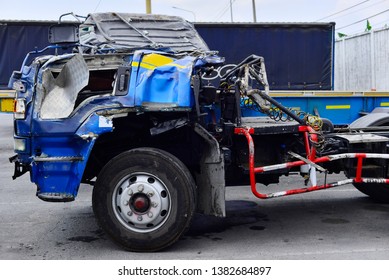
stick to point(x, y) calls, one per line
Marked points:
point(334, 224)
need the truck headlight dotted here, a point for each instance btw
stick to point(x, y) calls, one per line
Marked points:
point(19, 108)
point(20, 145)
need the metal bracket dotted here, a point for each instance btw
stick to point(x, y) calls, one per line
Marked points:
point(20, 168)
point(318, 167)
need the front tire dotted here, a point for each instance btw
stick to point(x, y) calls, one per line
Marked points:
point(144, 199)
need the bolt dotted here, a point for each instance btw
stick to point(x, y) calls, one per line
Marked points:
point(129, 213)
point(141, 188)
point(140, 218)
point(130, 192)
point(154, 204)
point(150, 194)
point(150, 215)
point(125, 202)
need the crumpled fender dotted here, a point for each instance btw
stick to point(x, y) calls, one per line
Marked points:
point(59, 168)
point(161, 80)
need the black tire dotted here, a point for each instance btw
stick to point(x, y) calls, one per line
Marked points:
point(328, 126)
point(159, 189)
point(378, 192)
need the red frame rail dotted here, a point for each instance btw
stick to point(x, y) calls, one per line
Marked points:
point(309, 134)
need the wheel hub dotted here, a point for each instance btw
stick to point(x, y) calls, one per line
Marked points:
point(141, 202)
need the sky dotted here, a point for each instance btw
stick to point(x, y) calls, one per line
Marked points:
point(350, 15)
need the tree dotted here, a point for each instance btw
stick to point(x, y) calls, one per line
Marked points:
point(368, 26)
point(341, 35)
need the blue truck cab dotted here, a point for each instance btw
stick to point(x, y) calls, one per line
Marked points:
point(67, 101)
point(124, 105)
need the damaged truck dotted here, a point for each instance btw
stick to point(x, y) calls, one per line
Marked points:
point(122, 102)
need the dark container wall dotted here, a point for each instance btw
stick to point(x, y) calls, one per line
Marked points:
point(298, 56)
point(16, 40)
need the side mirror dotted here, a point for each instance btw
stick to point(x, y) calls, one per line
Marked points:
point(63, 33)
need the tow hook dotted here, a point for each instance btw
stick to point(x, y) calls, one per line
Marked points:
point(20, 168)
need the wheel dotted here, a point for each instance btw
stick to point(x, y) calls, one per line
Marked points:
point(378, 192)
point(328, 126)
point(144, 199)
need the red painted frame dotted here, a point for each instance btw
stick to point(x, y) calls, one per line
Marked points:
point(308, 132)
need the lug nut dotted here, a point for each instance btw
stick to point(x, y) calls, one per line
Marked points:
point(126, 203)
point(150, 215)
point(140, 218)
point(141, 188)
point(130, 192)
point(150, 194)
point(129, 213)
point(154, 204)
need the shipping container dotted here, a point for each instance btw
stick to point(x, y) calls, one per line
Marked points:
point(299, 56)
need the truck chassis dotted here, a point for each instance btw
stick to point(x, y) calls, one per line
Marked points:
point(139, 122)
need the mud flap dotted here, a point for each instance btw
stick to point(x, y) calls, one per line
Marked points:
point(210, 180)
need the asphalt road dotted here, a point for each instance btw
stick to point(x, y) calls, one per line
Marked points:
point(334, 224)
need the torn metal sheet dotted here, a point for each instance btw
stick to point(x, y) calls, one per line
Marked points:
point(168, 125)
point(123, 32)
point(61, 92)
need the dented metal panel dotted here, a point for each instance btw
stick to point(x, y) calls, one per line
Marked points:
point(163, 80)
point(61, 92)
point(59, 168)
point(123, 32)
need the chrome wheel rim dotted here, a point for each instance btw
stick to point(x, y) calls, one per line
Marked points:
point(141, 202)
